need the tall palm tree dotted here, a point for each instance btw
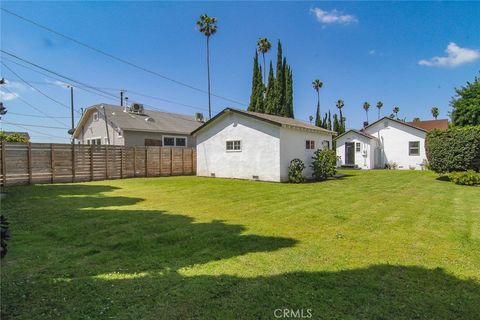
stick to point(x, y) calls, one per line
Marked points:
point(310, 118)
point(435, 112)
point(396, 110)
point(366, 106)
point(379, 106)
point(317, 85)
point(208, 26)
point(263, 46)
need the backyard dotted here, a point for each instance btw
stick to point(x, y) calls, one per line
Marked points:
point(371, 245)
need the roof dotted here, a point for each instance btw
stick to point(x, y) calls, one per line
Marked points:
point(272, 119)
point(408, 124)
point(367, 135)
point(429, 125)
point(160, 121)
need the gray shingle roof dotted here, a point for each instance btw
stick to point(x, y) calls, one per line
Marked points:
point(282, 121)
point(159, 121)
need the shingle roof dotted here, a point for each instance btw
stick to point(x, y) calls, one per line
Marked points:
point(408, 124)
point(159, 121)
point(367, 135)
point(430, 125)
point(277, 120)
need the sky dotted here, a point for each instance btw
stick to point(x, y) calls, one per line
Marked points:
point(406, 54)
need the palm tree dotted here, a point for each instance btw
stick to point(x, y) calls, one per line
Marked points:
point(317, 85)
point(263, 45)
point(435, 112)
point(310, 118)
point(366, 106)
point(379, 106)
point(207, 26)
point(396, 110)
point(340, 104)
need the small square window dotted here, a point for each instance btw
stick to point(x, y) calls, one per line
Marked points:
point(95, 116)
point(310, 144)
point(357, 146)
point(180, 142)
point(414, 148)
point(234, 145)
point(169, 141)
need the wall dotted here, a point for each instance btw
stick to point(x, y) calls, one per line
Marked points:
point(394, 137)
point(293, 145)
point(260, 155)
point(137, 138)
point(97, 129)
point(364, 158)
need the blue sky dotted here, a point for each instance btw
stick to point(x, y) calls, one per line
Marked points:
point(362, 51)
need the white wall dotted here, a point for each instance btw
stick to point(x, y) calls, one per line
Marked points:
point(97, 129)
point(395, 137)
point(364, 158)
point(293, 145)
point(260, 154)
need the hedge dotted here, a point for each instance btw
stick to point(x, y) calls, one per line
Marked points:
point(455, 149)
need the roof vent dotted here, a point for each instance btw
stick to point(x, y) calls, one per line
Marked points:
point(149, 119)
point(199, 116)
point(136, 108)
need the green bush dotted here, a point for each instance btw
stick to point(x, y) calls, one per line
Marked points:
point(13, 137)
point(295, 171)
point(468, 178)
point(455, 149)
point(324, 164)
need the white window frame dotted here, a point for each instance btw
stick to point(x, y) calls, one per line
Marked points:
point(308, 144)
point(175, 141)
point(95, 138)
point(233, 146)
point(410, 148)
point(358, 147)
point(95, 116)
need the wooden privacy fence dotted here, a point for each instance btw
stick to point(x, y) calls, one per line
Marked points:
point(51, 163)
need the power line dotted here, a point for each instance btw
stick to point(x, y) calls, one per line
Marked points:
point(35, 116)
point(39, 132)
point(34, 88)
point(119, 59)
point(34, 125)
point(35, 108)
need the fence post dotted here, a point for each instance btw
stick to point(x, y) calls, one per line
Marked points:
point(171, 161)
point(91, 162)
point(73, 162)
point(4, 167)
point(29, 162)
point(52, 161)
point(121, 162)
point(183, 161)
point(106, 162)
point(159, 161)
point(134, 161)
point(193, 159)
point(146, 161)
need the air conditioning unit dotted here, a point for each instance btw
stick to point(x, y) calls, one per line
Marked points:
point(136, 108)
point(199, 116)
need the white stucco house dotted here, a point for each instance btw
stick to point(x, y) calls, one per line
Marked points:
point(386, 141)
point(249, 145)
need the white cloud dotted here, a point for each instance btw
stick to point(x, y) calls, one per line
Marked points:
point(456, 56)
point(333, 16)
point(8, 96)
point(14, 85)
point(58, 83)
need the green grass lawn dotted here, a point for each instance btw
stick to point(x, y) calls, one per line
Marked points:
point(372, 245)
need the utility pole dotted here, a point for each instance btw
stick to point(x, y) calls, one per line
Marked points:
point(121, 98)
point(72, 130)
point(3, 110)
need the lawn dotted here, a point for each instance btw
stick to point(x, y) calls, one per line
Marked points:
point(372, 245)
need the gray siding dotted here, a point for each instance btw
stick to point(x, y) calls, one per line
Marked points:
point(97, 129)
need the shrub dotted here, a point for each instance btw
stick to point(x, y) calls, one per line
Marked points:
point(295, 171)
point(324, 164)
point(5, 235)
point(13, 137)
point(391, 165)
point(455, 149)
point(468, 178)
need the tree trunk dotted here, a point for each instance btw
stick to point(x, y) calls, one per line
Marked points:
point(208, 75)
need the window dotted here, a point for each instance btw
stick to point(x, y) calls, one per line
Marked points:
point(234, 145)
point(95, 116)
point(357, 146)
point(414, 148)
point(174, 141)
point(310, 145)
point(94, 141)
point(326, 144)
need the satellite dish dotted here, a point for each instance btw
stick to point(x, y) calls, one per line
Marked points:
point(71, 131)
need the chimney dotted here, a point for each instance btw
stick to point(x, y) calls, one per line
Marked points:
point(199, 116)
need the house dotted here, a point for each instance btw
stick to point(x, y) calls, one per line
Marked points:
point(386, 142)
point(249, 145)
point(135, 126)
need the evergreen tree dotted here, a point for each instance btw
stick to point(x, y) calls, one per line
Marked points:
point(336, 124)
point(270, 98)
point(329, 127)
point(279, 81)
point(253, 95)
point(259, 93)
point(466, 104)
point(289, 93)
point(317, 85)
point(325, 121)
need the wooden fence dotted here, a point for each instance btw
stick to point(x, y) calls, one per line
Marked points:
point(51, 163)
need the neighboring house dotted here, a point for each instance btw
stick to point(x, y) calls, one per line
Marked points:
point(250, 145)
point(387, 141)
point(135, 126)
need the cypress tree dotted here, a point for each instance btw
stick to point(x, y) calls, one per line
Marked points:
point(270, 98)
point(260, 93)
point(279, 81)
point(336, 124)
point(324, 122)
point(329, 120)
point(253, 95)
point(289, 92)
point(318, 119)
